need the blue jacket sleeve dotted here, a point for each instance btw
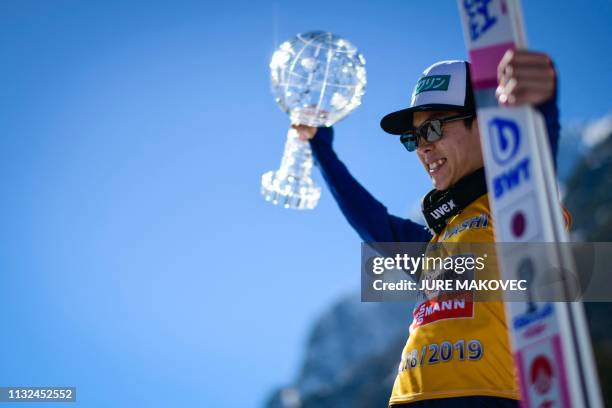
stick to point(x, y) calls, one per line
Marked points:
point(550, 111)
point(366, 215)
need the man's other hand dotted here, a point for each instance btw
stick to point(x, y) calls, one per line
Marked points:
point(525, 77)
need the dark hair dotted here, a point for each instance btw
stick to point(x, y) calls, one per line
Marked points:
point(469, 121)
point(470, 100)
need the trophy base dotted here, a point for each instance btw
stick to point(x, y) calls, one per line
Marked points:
point(289, 191)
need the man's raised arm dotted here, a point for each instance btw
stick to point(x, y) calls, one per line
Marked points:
point(366, 215)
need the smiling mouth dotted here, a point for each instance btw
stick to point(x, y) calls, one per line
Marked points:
point(433, 167)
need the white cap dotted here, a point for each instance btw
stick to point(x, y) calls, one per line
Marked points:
point(444, 86)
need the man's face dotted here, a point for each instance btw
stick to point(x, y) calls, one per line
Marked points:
point(455, 155)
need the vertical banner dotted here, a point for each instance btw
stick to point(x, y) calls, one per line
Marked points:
point(551, 343)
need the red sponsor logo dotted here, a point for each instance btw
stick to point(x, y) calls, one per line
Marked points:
point(542, 376)
point(459, 305)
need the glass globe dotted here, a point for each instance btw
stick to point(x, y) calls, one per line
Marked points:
point(317, 79)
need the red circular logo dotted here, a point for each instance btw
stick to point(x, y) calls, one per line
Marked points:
point(518, 224)
point(541, 374)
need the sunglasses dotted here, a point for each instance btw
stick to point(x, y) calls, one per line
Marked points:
point(430, 131)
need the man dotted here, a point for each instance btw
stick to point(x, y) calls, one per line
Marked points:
point(440, 127)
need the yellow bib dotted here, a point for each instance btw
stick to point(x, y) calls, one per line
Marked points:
point(458, 347)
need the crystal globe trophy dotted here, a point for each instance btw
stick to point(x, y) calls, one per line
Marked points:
point(317, 79)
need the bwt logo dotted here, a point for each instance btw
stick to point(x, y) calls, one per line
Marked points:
point(511, 178)
point(480, 17)
point(505, 139)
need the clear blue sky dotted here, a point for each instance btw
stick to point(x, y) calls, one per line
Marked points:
point(138, 261)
